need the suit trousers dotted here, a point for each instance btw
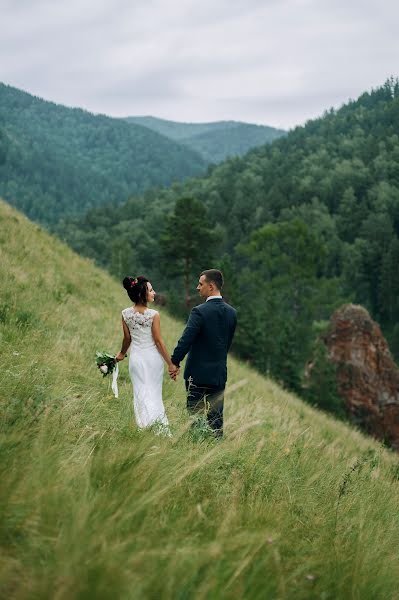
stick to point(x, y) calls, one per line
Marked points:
point(207, 399)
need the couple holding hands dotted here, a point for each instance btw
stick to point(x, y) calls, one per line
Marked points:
point(206, 339)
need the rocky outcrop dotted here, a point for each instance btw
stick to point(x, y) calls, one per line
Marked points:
point(367, 377)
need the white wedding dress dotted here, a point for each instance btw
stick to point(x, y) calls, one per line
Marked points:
point(146, 371)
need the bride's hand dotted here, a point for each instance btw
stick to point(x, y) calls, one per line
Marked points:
point(119, 356)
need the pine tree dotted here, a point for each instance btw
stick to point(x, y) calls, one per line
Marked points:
point(188, 242)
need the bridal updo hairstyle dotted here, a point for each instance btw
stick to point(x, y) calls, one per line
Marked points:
point(136, 288)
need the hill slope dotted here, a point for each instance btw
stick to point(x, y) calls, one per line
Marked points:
point(56, 160)
point(214, 141)
point(291, 504)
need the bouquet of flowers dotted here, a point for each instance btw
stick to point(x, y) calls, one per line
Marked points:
point(105, 362)
point(108, 364)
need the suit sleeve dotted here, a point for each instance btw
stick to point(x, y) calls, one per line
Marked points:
point(232, 330)
point(188, 336)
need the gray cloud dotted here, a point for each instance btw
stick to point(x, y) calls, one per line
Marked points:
point(278, 62)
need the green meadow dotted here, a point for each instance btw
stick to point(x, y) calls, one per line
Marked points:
point(290, 504)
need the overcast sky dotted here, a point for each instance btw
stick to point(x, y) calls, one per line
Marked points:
point(276, 62)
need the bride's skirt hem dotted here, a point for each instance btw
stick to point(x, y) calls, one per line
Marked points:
point(159, 427)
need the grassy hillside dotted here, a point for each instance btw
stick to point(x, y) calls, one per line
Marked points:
point(58, 161)
point(213, 141)
point(291, 504)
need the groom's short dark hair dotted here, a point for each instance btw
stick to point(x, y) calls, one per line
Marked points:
point(215, 276)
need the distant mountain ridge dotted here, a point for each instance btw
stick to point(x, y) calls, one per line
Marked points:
point(56, 160)
point(214, 141)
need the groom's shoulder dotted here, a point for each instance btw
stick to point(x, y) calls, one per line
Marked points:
point(232, 310)
point(229, 306)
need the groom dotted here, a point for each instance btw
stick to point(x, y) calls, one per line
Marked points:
point(207, 339)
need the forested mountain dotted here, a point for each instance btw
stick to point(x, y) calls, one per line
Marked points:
point(56, 160)
point(214, 141)
point(302, 225)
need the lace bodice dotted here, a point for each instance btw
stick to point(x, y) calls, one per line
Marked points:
point(139, 325)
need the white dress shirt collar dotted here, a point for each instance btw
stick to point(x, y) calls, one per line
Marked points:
point(213, 297)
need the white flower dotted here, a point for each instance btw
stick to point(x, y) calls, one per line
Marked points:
point(104, 369)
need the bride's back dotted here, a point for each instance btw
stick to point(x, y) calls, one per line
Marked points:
point(139, 325)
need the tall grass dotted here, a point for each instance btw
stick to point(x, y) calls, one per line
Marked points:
point(290, 504)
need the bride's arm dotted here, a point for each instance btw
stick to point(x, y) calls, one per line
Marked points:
point(126, 342)
point(156, 334)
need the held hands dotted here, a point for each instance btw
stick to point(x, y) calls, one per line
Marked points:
point(173, 371)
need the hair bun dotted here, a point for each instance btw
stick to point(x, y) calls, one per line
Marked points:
point(136, 288)
point(127, 282)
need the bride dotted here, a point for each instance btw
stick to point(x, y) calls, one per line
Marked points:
point(142, 329)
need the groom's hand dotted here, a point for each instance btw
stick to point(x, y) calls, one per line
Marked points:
point(174, 371)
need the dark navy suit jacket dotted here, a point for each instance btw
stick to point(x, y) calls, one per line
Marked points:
point(207, 339)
